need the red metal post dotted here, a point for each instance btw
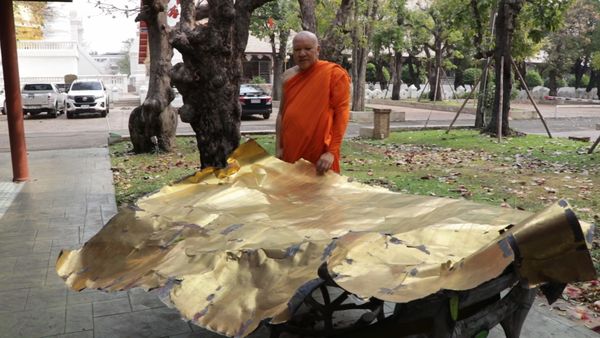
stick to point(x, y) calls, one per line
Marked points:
point(12, 89)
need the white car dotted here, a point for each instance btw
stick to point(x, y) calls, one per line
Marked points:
point(87, 97)
point(42, 97)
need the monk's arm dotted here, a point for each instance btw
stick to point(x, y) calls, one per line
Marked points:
point(340, 103)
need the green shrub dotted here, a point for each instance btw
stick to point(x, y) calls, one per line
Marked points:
point(371, 73)
point(585, 79)
point(406, 78)
point(258, 80)
point(386, 74)
point(533, 79)
point(559, 82)
point(471, 75)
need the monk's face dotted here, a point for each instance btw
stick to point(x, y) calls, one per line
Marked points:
point(306, 51)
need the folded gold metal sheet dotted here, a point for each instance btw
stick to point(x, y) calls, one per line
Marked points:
point(232, 247)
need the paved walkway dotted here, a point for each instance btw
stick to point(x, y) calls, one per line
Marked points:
point(68, 199)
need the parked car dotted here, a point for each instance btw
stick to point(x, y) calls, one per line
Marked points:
point(42, 97)
point(87, 97)
point(255, 101)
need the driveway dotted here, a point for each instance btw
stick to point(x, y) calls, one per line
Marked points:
point(44, 133)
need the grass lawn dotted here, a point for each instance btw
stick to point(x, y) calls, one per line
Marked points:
point(526, 173)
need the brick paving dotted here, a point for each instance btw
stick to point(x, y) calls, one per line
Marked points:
point(68, 198)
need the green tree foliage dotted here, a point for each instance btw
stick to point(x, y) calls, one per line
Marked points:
point(571, 81)
point(471, 75)
point(533, 79)
point(441, 20)
point(569, 47)
point(274, 21)
point(124, 63)
point(372, 73)
point(595, 63)
point(388, 42)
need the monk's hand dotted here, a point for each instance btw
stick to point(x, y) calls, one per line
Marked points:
point(324, 163)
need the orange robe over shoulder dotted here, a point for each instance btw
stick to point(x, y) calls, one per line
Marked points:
point(316, 113)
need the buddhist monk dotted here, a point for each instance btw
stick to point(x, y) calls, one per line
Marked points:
point(315, 108)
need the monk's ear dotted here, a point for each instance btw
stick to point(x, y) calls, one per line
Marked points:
point(318, 50)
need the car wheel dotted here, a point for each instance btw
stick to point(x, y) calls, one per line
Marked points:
point(103, 114)
point(70, 115)
point(54, 112)
point(266, 116)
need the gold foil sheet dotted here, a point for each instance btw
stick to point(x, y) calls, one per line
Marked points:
point(231, 247)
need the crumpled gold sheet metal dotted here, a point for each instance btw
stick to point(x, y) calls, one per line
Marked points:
point(232, 247)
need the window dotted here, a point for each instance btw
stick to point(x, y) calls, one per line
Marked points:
point(38, 86)
point(92, 85)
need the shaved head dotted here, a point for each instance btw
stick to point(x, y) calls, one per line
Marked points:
point(306, 35)
point(305, 49)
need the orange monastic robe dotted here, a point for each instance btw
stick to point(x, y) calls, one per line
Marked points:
point(316, 113)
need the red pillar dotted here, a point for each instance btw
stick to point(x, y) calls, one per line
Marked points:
point(12, 89)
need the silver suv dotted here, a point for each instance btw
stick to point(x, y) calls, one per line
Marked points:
point(87, 97)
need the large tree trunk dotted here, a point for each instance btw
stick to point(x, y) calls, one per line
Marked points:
point(594, 81)
point(379, 73)
point(413, 71)
point(459, 79)
point(307, 13)
point(397, 75)
point(579, 69)
point(505, 25)
point(209, 76)
point(435, 73)
point(279, 63)
point(482, 96)
point(552, 85)
point(332, 42)
point(361, 37)
point(155, 120)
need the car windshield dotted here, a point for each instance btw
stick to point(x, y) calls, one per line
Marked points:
point(248, 89)
point(38, 86)
point(86, 86)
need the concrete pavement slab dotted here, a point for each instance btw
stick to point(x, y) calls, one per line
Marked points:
point(68, 199)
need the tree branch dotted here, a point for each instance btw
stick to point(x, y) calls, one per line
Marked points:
point(188, 14)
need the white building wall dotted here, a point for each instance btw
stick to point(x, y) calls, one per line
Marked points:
point(47, 65)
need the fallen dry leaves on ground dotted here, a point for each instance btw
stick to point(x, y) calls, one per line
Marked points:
point(521, 181)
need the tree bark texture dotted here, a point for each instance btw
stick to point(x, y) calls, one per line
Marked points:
point(397, 79)
point(155, 120)
point(579, 69)
point(413, 71)
point(505, 26)
point(483, 94)
point(279, 57)
point(435, 72)
point(209, 76)
point(594, 81)
point(379, 67)
point(361, 38)
point(552, 84)
point(307, 14)
point(332, 41)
